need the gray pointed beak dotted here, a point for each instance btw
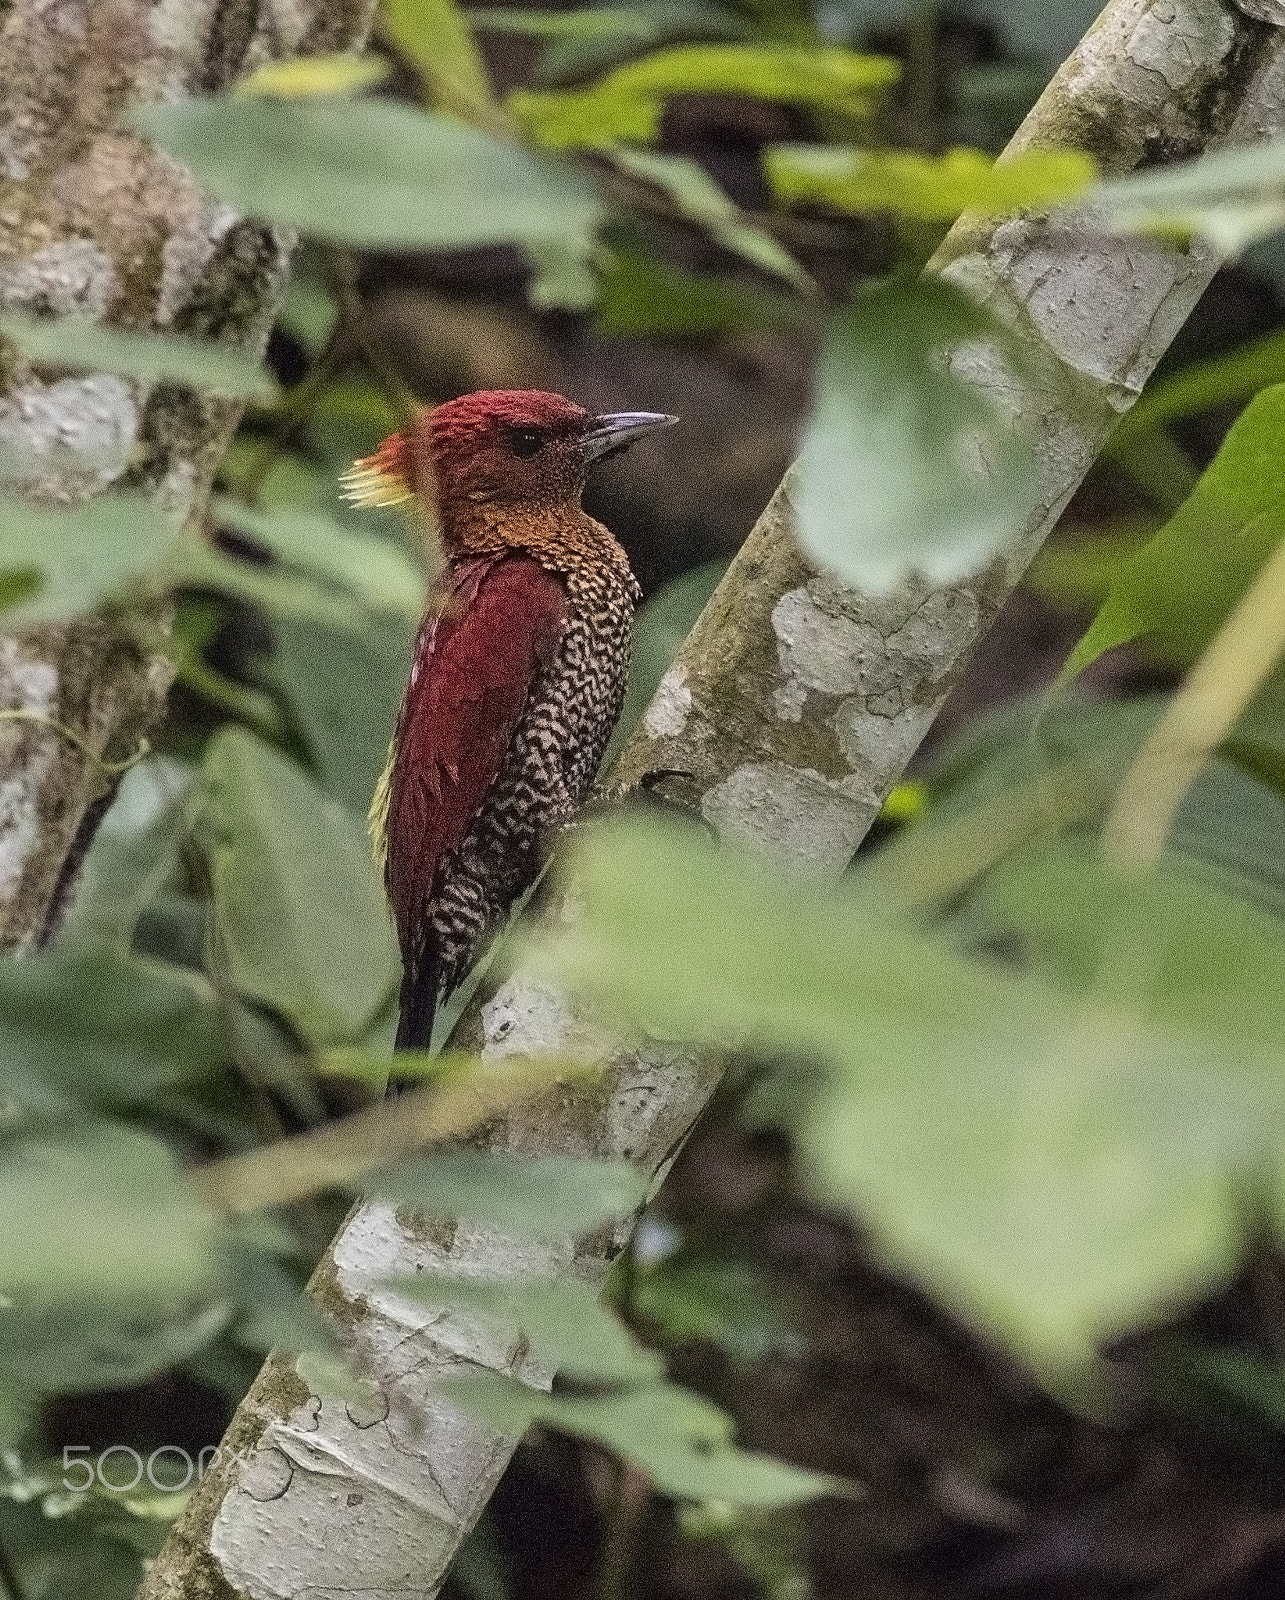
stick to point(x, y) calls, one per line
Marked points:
point(618, 429)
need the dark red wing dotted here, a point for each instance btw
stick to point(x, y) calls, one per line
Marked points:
point(475, 666)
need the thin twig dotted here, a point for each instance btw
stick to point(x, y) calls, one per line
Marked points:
point(1200, 716)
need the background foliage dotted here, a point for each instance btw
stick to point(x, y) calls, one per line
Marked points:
point(1041, 1085)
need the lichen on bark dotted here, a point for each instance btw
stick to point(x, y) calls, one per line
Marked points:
point(789, 713)
point(95, 222)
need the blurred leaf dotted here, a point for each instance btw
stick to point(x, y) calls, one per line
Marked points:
point(640, 295)
point(1229, 379)
point(562, 277)
point(370, 172)
point(106, 1256)
point(373, 570)
point(544, 1196)
point(1231, 196)
point(681, 1441)
point(435, 36)
point(80, 557)
point(280, 592)
point(584, 22)
point(339, 74)
point(101, 1026)
point(300, 912)
point(934, 187)
point(1071, 573)
point(1182, 585)
point(564, 1324)
point(134, 851)
point(699, 198)
point(1057, 1171)
point(723, 1302)
point(344, 688)
point(83, 345)
point(905, 466)
point(627, 105)
point(577, 50)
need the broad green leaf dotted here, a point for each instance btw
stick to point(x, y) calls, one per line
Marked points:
point(1178, 948)
point(375, 571)
point(564, 1324)
point(338, 74)
point(639, 295)
point(370, 172)
point(73, 560)
point(584, 22)
point(100, 1214)
point(905, 466)
point(134, 851)
point(344, 688)
point(1059, 1190)
point(562, 277)
point(548, 1196)
point(435, 36)
point(301, 918)
point(1181, 586)
point(681, 1441)
point(723, 1302)
point(698, 197)
point(1230, 196)
point(83, 345)
point(1058, 1167)
point(1221, 380)
point(932, 187)
point(294, 596)
point(627, 104)
point(93, 1023)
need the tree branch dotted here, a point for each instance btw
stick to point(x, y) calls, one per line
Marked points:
point(93, 221)
point(789, 713)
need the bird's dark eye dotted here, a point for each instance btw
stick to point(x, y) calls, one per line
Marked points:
point(526, 442)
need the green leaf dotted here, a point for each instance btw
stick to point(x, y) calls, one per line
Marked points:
point(905, 466)
point(338, 74)
point(301, 917)
point(96, 551)
point(1231, 196)
point(699, 198)
point(344, 688)
point(563, 1324)
point(723, 1302)
point(1221, 380)
point(1057, 1171)
point(374, 571)
point(435, 36)
point(640, 295)
point(107, 1259)
point(548, 1196)
point(370, 172)
point(100, 1026)
point(628, 104)
point(585, 22)
point(681, 1441)
point(931, 187)
point(1182, 585)
point(82, 345)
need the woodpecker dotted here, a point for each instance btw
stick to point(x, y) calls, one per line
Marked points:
point(519, 668)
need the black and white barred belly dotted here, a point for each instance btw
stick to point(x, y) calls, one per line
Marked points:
point(552, 760)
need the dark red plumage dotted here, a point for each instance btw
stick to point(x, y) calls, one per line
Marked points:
point(519, 670)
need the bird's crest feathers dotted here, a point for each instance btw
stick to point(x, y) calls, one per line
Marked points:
point(383, 479)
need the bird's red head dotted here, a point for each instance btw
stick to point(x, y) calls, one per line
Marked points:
point(510, 449)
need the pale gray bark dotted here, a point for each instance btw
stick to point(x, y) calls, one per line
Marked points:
point(790, 712)
point(92, 221)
